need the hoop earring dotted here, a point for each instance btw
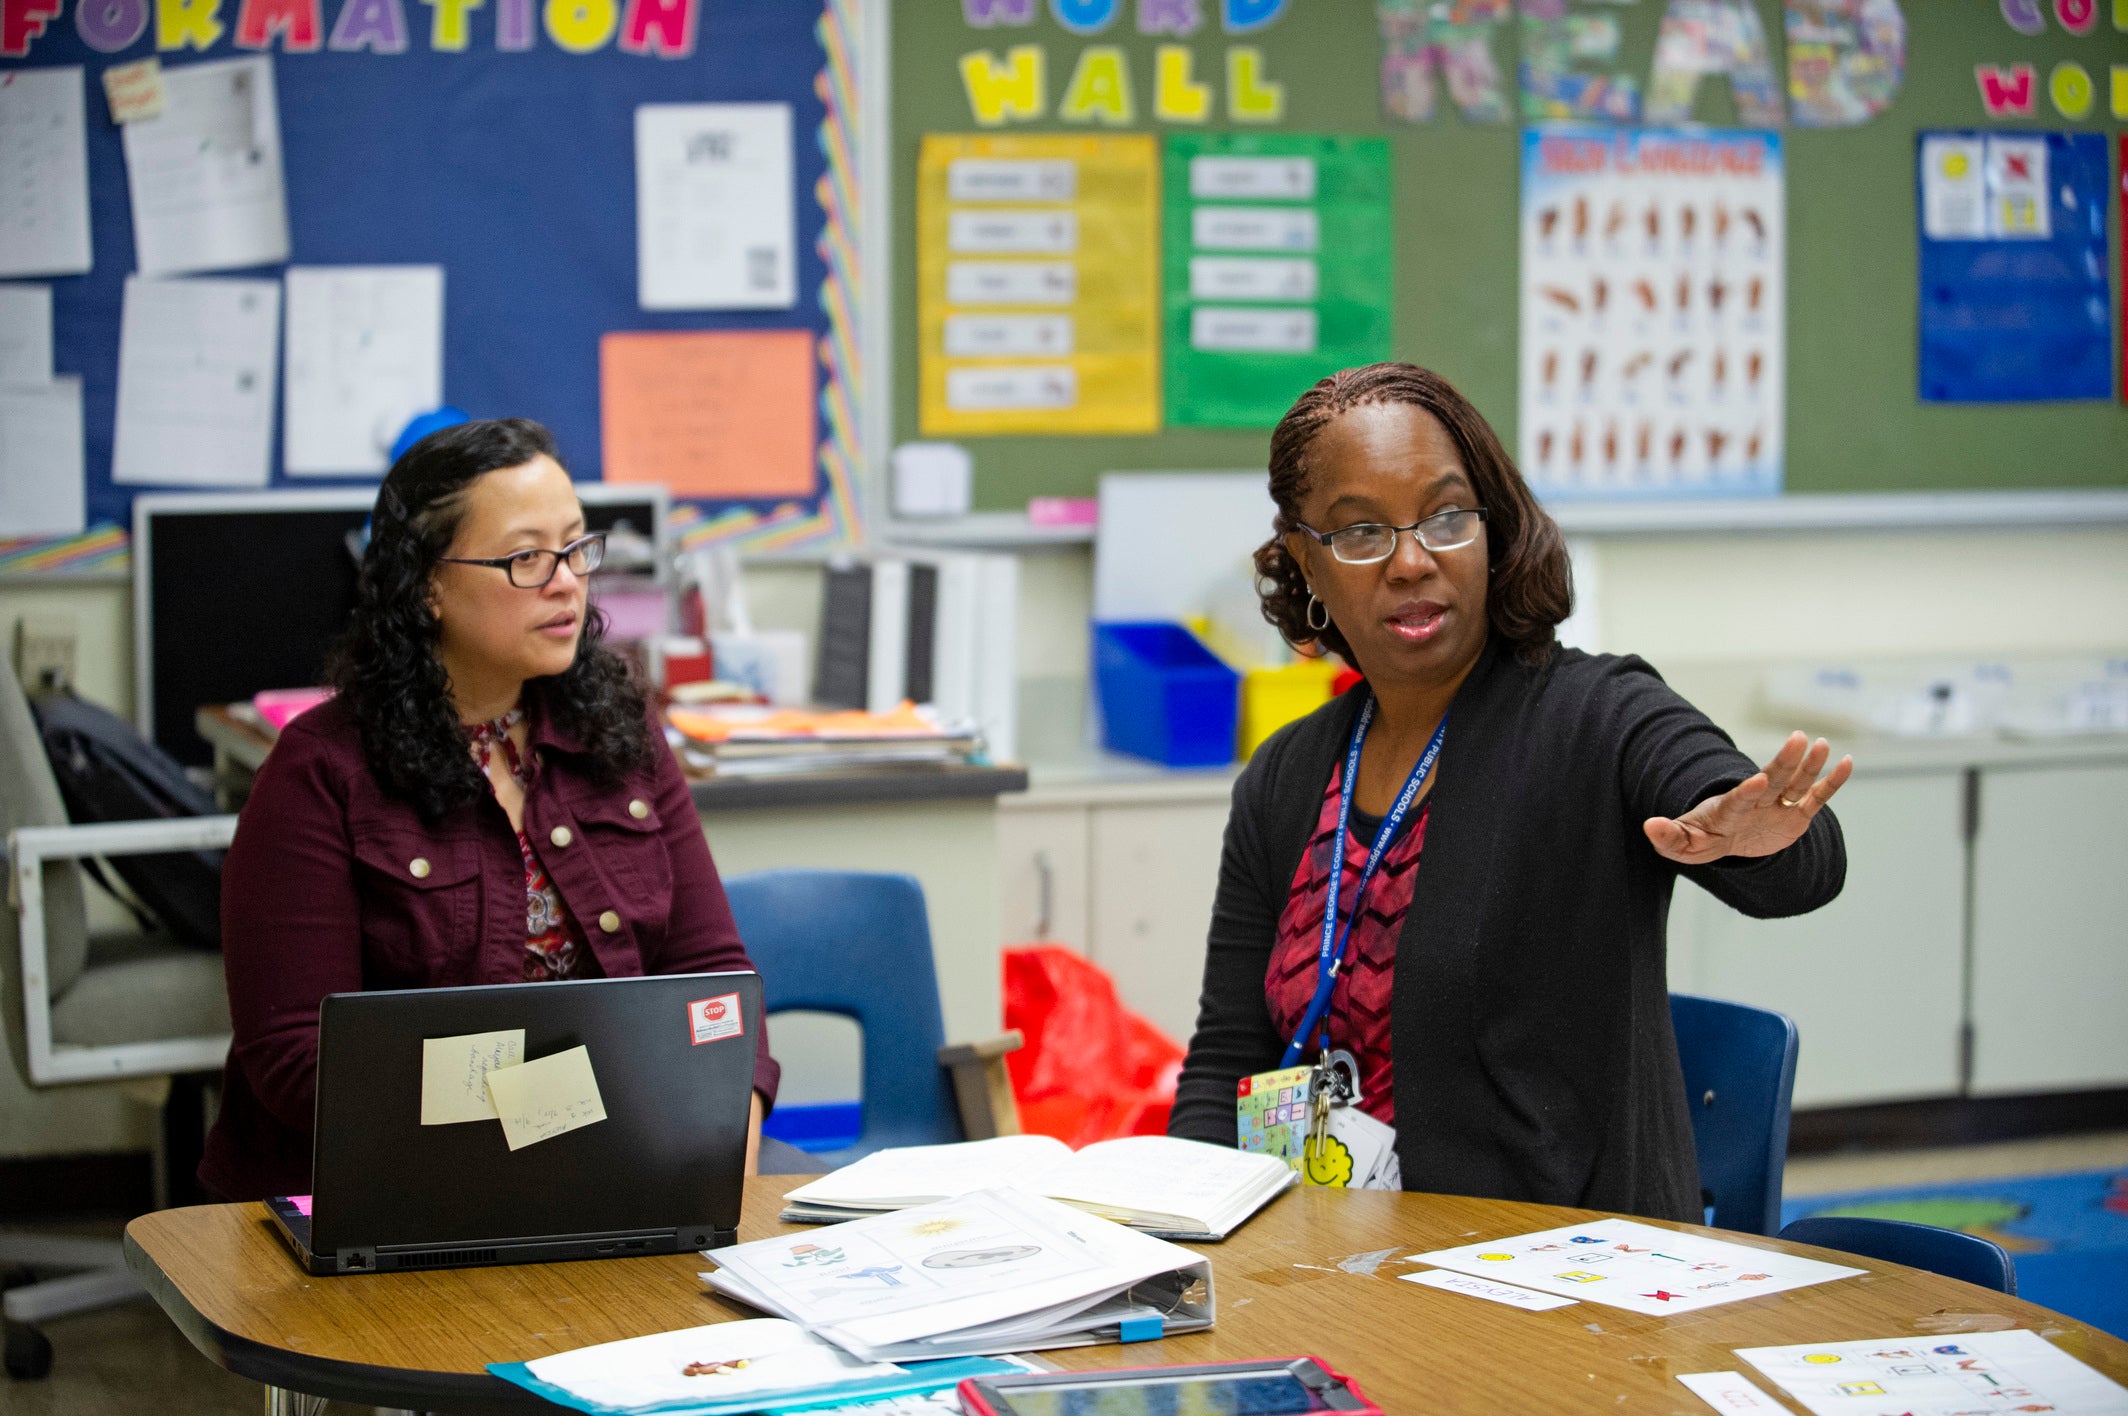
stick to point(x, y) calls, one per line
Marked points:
point(1309, 614)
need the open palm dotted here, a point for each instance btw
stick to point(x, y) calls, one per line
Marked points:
point(1764, 813)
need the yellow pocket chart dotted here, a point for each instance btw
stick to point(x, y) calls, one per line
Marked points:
point(1037, 272)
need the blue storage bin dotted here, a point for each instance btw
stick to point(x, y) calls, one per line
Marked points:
point(1164, 695)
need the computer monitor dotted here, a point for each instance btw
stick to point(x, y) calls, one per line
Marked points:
point(238, 592)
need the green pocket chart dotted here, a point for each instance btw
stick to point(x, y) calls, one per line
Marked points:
point(1276, 269)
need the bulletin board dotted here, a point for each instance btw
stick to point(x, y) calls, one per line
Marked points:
point(515, 171)
point(1853, 420)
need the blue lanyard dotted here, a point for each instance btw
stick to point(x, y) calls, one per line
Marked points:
point(1332, 952)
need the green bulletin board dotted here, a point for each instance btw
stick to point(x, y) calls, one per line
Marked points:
point(1854, 423)
point(1270, 239)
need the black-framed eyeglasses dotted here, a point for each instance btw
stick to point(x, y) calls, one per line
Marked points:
point(532, 568)
point(1371, 541)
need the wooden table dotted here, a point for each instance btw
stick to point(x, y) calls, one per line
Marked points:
point(1313, 1273)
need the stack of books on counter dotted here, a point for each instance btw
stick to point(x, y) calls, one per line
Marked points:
point(750, 740)
point(995, 1271)
point(1163, 1185)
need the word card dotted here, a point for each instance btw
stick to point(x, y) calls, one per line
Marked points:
point(1624, 1264)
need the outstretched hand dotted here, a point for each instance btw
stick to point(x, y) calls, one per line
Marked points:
point(1764, 813)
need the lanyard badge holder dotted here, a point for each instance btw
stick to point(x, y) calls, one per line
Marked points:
point(1310, 1115)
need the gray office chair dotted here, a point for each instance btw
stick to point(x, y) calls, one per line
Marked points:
point(78, 1008)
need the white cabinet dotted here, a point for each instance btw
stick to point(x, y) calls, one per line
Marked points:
point(1129, 879)
point(1043, 882)
point(2050, 930)
point(1873, 980)
point(1155, 870)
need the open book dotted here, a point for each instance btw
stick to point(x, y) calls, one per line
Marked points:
point(989, 1272)
point(1173, 1188)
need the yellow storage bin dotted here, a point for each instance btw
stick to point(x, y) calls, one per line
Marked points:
point(1272, 698)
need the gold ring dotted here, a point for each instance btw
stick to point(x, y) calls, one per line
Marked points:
point(1786, 802)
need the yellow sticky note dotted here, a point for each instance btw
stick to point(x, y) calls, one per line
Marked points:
point(454, 1073)
point(546, 1098)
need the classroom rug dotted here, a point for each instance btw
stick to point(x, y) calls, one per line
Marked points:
point(2067, 1233)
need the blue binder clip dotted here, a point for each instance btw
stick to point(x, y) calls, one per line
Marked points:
point(1140, 1329)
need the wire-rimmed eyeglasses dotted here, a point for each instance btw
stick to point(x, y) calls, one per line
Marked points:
point(532, 568)
point(1371, 541)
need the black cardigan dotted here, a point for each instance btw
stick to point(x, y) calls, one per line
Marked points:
point(1530, 1016)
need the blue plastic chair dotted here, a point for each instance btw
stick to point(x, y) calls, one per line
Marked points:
point(1978, 1261)
point(858, 944)
point(1739, 1065)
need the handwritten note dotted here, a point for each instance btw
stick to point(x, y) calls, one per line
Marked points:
point(134, 90)
point(205, 173)
point(546, 1098)
point(25, 334)
point(40, 459)
point(454, 1074)
point(364, 354)
point(44, 172)
point(196, 380)
point(717, 414)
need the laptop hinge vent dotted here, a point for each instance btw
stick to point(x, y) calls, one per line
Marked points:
point(443, 1258)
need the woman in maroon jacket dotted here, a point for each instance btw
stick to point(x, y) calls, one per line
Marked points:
point(485, 800)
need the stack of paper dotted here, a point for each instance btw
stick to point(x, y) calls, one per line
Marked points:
point(1174, 1188)
point(748, 740)
point(994, 1271)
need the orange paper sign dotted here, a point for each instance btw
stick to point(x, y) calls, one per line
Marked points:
point(722, 414)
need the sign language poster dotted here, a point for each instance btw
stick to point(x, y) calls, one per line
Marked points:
point(1652, 302)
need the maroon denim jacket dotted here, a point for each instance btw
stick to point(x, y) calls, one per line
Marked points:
point(333, 886)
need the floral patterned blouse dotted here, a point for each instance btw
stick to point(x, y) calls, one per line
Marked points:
point(554, 945)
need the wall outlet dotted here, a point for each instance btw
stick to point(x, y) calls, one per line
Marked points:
point(45, 652)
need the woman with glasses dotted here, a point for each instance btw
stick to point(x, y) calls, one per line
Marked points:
point(1484, 967)
point(484, 800)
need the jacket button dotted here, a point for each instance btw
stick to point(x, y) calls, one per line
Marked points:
point(560, 836)
point(418, 867)
point(639, 808)
point(609, 921)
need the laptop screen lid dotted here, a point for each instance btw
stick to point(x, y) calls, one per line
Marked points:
point(672, 1059)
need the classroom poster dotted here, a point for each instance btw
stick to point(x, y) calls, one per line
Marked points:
point(2014, 305)
point(1036, 285)
point(1276, 270)
point(1652, 312)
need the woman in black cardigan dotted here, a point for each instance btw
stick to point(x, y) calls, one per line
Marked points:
point(1503, 989)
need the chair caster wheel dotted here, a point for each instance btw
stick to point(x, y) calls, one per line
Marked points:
point(29, 1353)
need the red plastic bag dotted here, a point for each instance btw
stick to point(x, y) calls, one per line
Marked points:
point(1090, 1069)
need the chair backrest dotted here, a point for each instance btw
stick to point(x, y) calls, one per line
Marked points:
point(30, 797)
point(1739, 1065)
point(858, 944)
point(1950, 1252)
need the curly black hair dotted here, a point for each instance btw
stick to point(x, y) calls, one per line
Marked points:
point(1531, 587)
point(385, 668)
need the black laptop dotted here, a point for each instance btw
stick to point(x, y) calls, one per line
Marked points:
point(661, 1174)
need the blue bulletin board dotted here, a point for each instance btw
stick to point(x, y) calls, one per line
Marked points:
point(2015, 302)
point(514, 170)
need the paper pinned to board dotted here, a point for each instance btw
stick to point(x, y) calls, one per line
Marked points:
point(40, 459)
point(205, 175)
point(196, 372)
point(364, 355)
point(25, 334)
point(454, 1074)
point(545, 1098)
point(714, 413)
point(44, 172)
point(716, 224)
